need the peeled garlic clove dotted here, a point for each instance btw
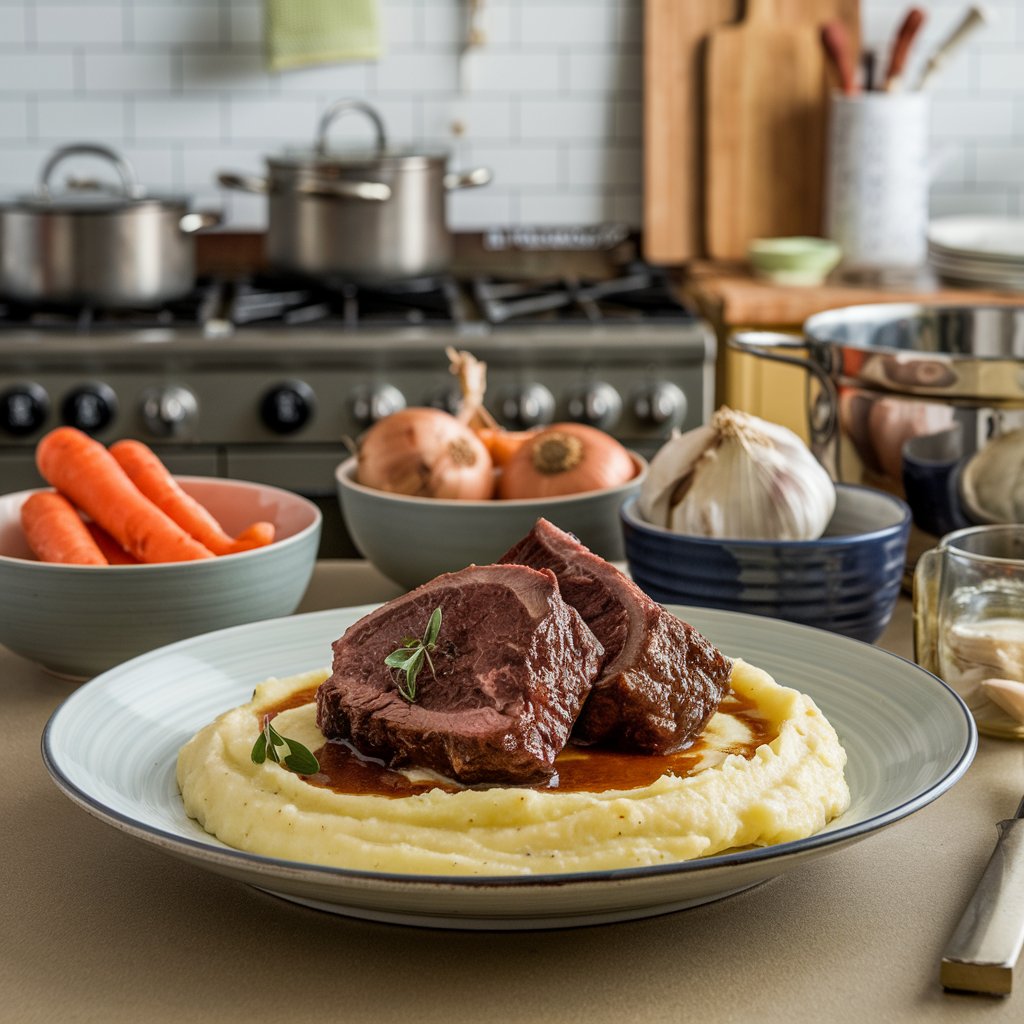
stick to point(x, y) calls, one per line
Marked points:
point(1007, 694)
point(669, 470)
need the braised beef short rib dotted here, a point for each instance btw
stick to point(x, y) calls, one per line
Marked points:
point(660, 681)
point(513, 664)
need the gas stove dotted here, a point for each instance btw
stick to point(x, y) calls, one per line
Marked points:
point(264, 378)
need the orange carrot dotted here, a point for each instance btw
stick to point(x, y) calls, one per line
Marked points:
point(112, 551)
point(151, 476)
point(55, 532)
point(502, 444)
point(87, 474)
point(257, 535)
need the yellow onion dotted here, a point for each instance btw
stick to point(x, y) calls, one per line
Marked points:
point(427, 453)
point(565, 458)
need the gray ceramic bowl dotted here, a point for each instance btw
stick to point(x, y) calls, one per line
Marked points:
point(412, 540)
point(846, 581)
point(80, 620)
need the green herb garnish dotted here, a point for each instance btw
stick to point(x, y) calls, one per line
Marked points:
point(409, 658)
point(299, 759)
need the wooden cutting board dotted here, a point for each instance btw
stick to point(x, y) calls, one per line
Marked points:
point(766, 109)
point(675, 43)
point(765, 131)
point(675, 34)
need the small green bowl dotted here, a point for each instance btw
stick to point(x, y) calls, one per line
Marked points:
point(799, 260)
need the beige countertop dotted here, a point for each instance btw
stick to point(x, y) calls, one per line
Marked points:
point(96, 926)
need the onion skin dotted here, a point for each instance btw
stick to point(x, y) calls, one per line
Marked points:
point(565, 458)
point(425, 453)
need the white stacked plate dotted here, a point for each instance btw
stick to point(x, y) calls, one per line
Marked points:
point(978, 251)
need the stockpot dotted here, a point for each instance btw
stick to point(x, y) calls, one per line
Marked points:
point(112, 245)
point(907, 397)
point(365, 216)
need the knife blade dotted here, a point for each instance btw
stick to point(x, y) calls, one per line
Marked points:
point(985, 945)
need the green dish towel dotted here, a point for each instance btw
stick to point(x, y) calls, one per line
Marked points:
point(300, 33)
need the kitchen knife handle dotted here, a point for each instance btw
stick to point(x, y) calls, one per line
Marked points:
point(986, 943)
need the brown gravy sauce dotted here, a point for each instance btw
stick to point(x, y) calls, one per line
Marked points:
point(578, 769)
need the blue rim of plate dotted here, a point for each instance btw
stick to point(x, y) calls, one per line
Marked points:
point(280, 867)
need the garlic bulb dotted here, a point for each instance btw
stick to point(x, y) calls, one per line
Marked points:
point(741, 478)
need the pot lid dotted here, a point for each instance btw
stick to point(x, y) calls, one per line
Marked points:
point(324, 157)
point(89, 195)
point(357, 158)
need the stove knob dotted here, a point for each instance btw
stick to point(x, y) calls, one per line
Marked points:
point(169, 410)
point(531, 406)
point(448, 399)
point(288, 406)
point(23, 409)
point(662, 404)
point(375, 402)
point(90, 407)
point(597, 404)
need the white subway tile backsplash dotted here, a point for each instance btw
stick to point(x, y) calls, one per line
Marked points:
point(1001, 72)
point(274, 120)
point(607, 71)
point(13, 119)
point(517, 73)
point(552, 100)
point(517, 165)
point(973, 118)
point(128, 73)
point(79, 24)
point(174, 25)
point(179, 118)
point(590, 119)
point(81, 118)
point(476, 118)
point(13, 25)
point(245, 23)
point(27, 73)
point(569, 24)
point(999, 165)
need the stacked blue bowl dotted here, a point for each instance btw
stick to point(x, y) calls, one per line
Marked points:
point(846, 581)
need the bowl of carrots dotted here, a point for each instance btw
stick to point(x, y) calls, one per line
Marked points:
point(119, 556)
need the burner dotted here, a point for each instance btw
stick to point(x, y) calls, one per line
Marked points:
point(194, 309)
point(404, 303)
point(643, 293)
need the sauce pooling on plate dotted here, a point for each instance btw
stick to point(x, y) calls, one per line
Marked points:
point(577, 769)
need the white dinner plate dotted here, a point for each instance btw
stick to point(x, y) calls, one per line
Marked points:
point(987, 237)
point(112, 745)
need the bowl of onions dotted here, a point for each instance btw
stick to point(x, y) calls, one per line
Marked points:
point(428, 493)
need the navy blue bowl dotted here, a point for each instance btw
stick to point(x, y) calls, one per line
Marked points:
point(847, 581)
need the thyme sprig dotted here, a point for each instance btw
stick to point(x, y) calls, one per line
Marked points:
point(411, 656)
point(299, 759)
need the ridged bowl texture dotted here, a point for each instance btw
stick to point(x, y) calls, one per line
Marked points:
point(80, 620)
point(847, 581)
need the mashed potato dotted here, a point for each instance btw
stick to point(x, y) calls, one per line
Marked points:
point(736, 791)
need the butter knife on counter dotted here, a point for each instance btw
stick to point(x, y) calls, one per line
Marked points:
point(986, 943)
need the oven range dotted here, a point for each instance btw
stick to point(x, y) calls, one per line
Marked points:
point(270, 379)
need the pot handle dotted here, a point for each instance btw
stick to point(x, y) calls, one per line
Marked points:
point(190, 223)
point(772, 345)
point(243, 182)
point(467, 179)
point(339, 107)
point(129, 182)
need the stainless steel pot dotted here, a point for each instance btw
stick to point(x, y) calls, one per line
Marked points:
point(364, 216)
point(97, 244)
point(903, 396)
